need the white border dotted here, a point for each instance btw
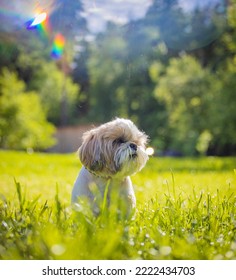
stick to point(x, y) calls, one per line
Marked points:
point(33, 270)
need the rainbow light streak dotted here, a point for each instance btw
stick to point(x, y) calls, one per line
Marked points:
point(40, 23)
point(58, 46)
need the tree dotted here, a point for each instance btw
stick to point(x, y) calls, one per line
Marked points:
point(187, 26)
point(67, 19)
point(51, 85)
point(224, 113)
point(23, 121)
point(108, 72)
point(143, 47)
point(188, 92)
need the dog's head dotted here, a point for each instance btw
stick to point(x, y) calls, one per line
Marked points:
point(114, 149)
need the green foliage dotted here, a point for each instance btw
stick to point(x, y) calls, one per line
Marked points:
point(200, 105)
point(23, 122)
point(8, 53)
point(186, 213)
point(188, 92)
point(230, 36)
point(223, 120)
point(54, 88)
point(107, 72)
point(203, 142)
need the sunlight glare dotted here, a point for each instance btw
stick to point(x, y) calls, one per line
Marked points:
point(39, 19)
point(150, 151)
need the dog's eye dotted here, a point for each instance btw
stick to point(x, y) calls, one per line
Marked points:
point(119, 141)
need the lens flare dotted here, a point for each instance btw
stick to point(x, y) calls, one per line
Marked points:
point(39, 19)
point(58, 46)
point(189, 25)
point(35, 22)
point(41, 23)
point(15, 14)
point(150, 151)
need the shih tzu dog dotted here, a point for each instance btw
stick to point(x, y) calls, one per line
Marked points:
point(110, 153)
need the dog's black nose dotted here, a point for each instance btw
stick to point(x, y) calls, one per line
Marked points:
point(133, 146)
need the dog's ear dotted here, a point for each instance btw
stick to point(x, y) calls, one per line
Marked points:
point(90, 152)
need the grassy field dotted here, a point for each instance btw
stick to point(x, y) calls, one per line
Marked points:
point(186, 209)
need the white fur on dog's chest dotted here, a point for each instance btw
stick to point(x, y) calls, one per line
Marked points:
point(87, 182)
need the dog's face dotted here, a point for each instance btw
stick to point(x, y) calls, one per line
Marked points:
point(114, 149)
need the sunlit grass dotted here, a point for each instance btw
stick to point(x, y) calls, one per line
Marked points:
point(186, 209)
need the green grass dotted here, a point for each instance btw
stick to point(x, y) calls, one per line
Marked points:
point(186, 209)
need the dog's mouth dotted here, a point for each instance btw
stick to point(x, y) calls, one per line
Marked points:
point(133, 156)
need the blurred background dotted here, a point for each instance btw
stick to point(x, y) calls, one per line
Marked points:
point(168, 65)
